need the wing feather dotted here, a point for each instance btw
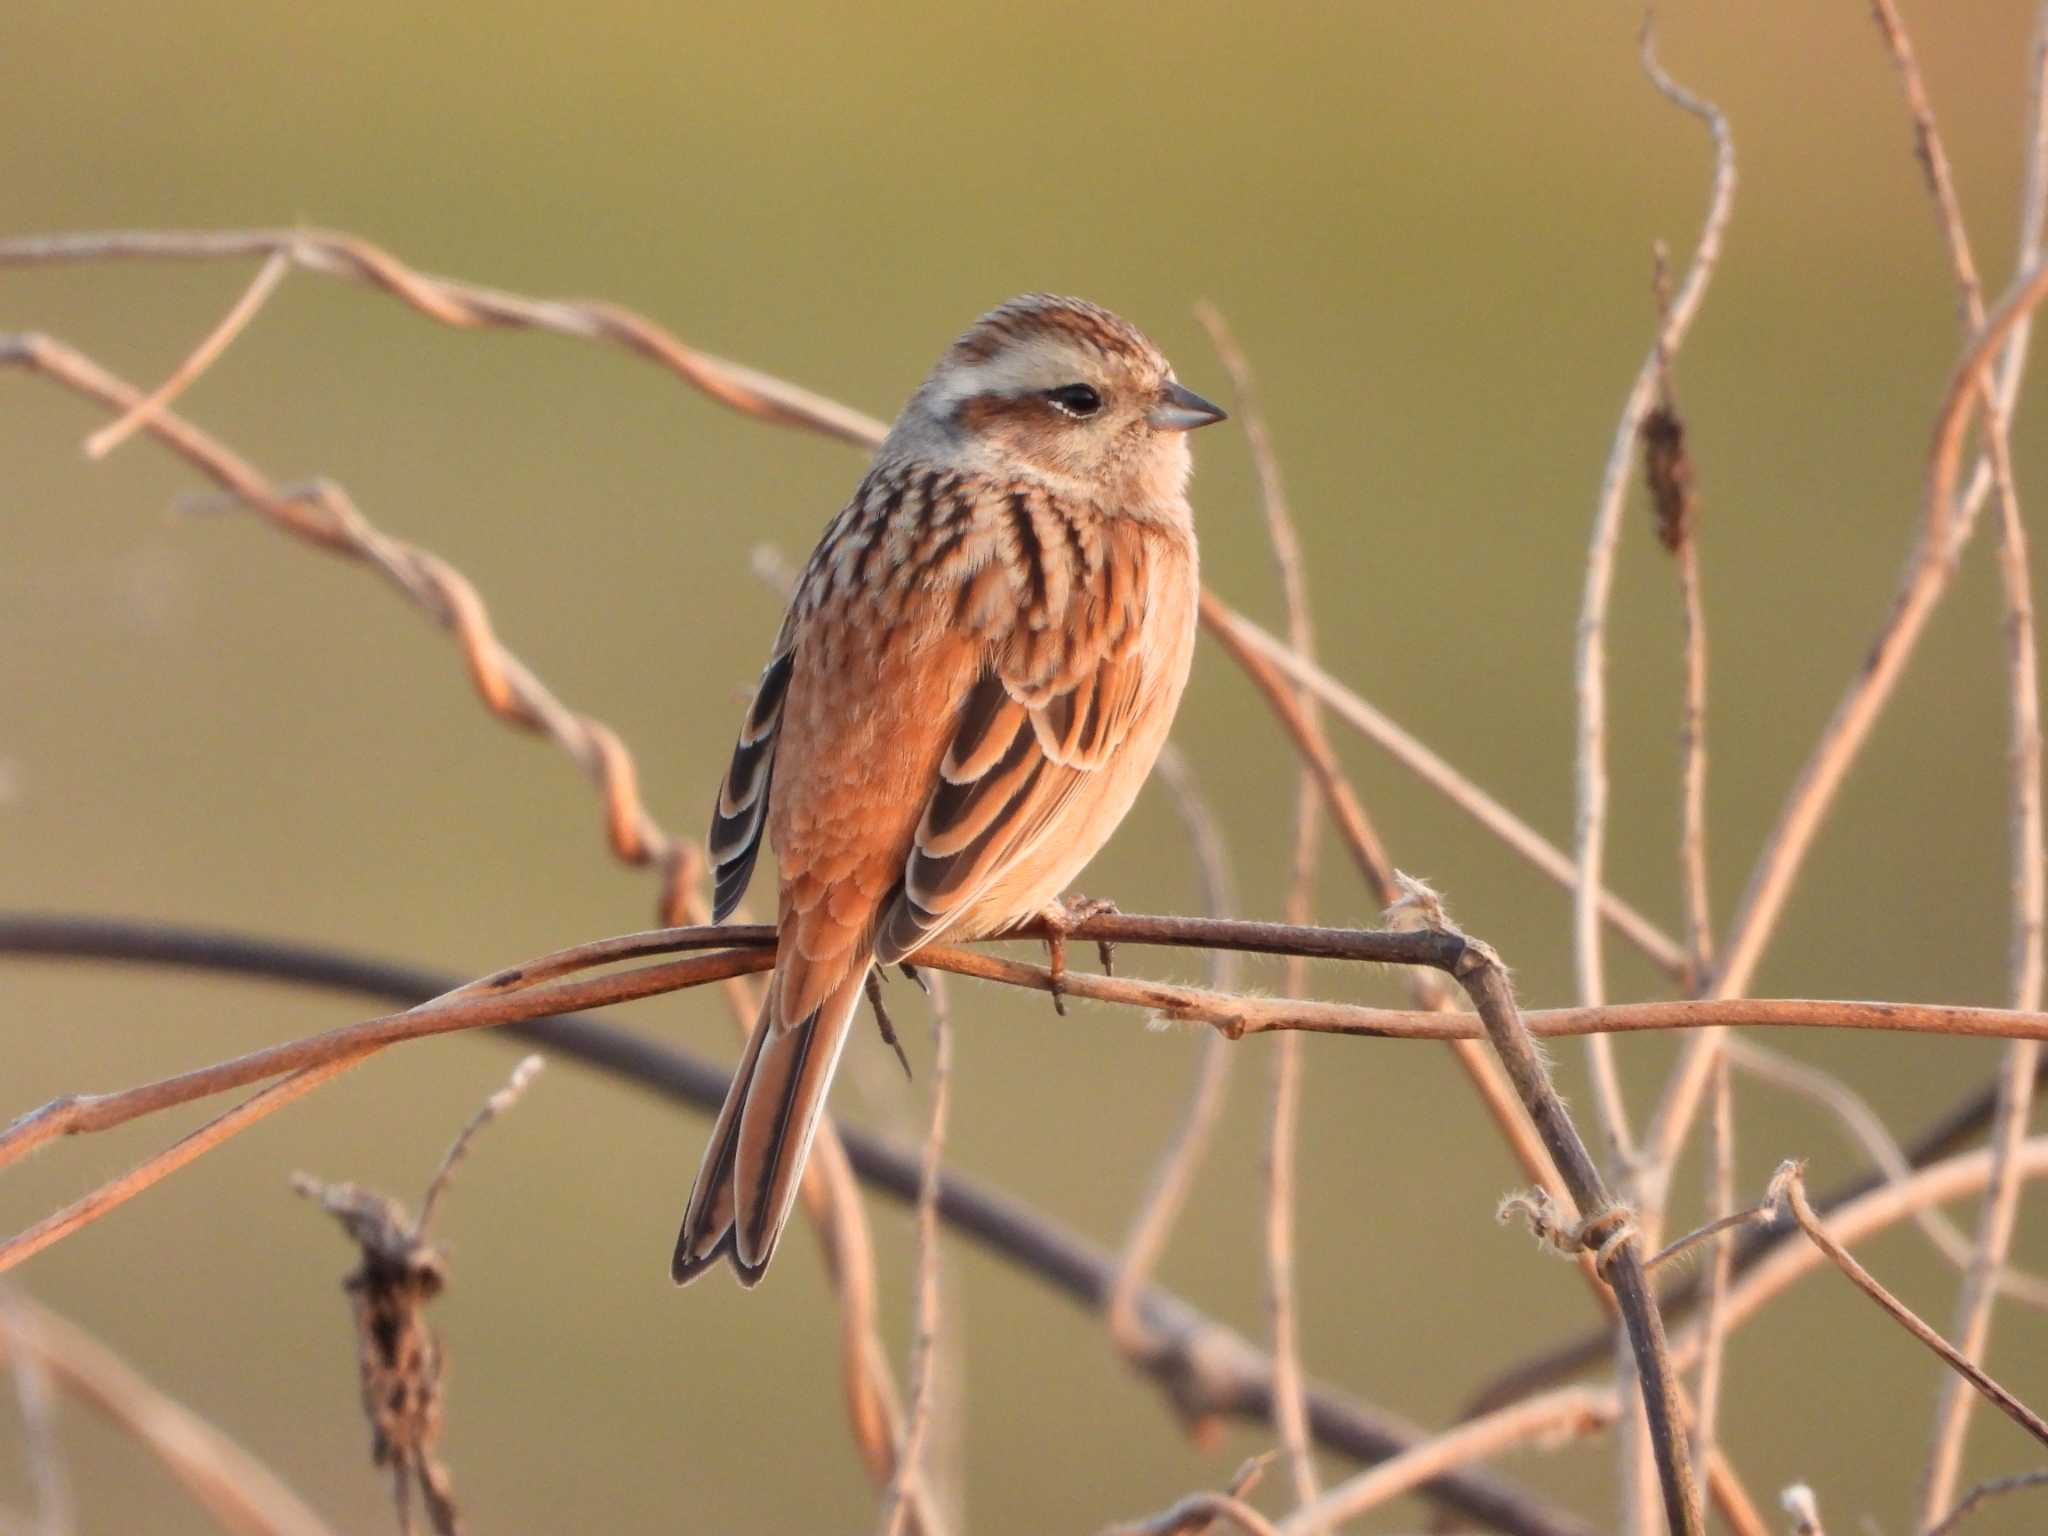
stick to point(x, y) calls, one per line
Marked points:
point(1046, 712)
point(742, 809)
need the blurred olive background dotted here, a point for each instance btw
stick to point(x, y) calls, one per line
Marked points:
point(1431, 226)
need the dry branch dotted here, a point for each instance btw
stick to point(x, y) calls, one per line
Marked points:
point(240, 1493)
point(1590, 833)
point(398, 1354)
point(1173, 1179)
point(1551, 1419)
point(1969, 1503)
point(901, 1496)
point(1241, 637)
point(2029, 896)
point(1791, 1186)
point(1205, 1369)
point(1281, 1161)
point(1479, 971)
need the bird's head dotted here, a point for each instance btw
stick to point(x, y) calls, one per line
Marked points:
point(1065, 392)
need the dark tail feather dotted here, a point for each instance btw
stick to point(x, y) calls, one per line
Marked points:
point(762, 1138)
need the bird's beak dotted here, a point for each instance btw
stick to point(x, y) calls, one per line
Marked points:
point(1180, 409)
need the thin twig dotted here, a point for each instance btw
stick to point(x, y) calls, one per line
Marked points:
point(203, 356)
point(1172, 1180)
point(515, 1088)
point(1875, 1138)
point(1721, 1203)
point(1291, 1410)
point(1227, 624)
point(1767, 1260)
point(1842, 739)
point(1790, 1184)
point(1997, 1486)
point(1553, 1418)
point(1590, 833)
point(1850, 1222)
point(241, 1494)
point(1198, 1514)
point(2029, 899)
point(118, 1191)
point(1945, 526)
point(1355, 830)
point(896, 1501)
point(56, 1511)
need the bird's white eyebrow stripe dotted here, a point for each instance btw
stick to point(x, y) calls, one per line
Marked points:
point(1032, 364)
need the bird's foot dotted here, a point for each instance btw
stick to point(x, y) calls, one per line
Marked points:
point(882, 1020)
point(1061, 918)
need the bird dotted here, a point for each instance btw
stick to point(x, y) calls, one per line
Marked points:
point(977, 669)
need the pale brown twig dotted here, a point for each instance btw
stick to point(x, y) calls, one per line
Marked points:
point(1224, 621)
point(910, 1472)
point(1943, 530)
point(497, 1104)
point(1290, 1403)
point(118, 1191)
point(1356, 831)
point(215, 342)
point(35, 1399)
point(1791, 1186)
point(239, 1492)
point(1842, 739)
point(1669, 473)
point(1145, 1239)
point(1850, 1222)
point(1554, 1417)
point(1692, 838)
point(1871, 1134)
point(1590, 830)
point(1968, 1503)
point(1720, 1203)
point(2029, 898)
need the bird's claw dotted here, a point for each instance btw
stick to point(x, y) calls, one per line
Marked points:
point(1061, 918)
point(882, 1020)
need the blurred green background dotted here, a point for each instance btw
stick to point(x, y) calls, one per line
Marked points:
point(1431, 226)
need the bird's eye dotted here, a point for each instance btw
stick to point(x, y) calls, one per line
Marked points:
point(1076, 400)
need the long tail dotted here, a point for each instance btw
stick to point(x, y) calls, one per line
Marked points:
point(748, 1180)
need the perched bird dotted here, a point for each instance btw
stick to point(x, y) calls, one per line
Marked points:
point(978, 667)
